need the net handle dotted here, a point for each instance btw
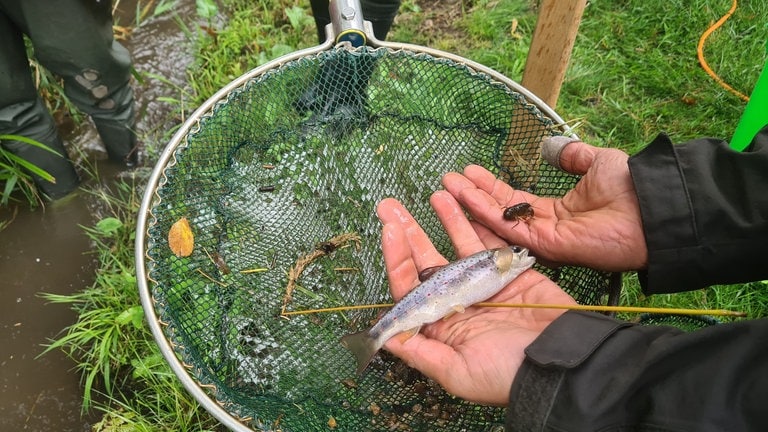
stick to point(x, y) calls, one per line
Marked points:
point(347, 22)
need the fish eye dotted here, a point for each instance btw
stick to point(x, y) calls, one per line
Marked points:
point(517, 249)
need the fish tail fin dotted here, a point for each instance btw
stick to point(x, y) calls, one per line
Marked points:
point(363, 346)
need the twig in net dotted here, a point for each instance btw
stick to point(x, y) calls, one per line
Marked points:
point(321, 249)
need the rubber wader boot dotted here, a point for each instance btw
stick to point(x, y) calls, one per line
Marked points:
point(58, 165)
point(338, 90)
point(340, 85)
point(32, 120)
point(119, 141)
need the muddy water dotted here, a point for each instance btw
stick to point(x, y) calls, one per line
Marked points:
point(41, 252)
point(46, 250)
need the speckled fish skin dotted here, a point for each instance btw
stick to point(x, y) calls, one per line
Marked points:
point(453, 288)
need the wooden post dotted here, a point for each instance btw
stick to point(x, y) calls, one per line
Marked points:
point(550, 51)
point(548, 57)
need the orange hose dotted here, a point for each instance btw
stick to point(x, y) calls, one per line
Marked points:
point(703, 62)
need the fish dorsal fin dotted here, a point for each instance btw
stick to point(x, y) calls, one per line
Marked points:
point(428, 272)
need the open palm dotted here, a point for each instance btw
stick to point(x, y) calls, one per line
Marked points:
point(474, 354)
point(597, 224)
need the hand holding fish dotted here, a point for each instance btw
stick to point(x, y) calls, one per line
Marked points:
point(597, 224)
point(476, 353)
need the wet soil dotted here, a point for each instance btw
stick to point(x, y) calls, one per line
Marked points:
point(47, 251)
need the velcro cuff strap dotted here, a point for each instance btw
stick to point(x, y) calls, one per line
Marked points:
point(571, 339)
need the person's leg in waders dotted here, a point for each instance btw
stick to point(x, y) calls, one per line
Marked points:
point(339, 88)
point(79, 46)
point(73, 39)
point(22, 112)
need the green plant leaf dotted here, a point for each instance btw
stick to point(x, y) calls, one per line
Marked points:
point(164, 6)
point(109, 225)
point(281, 50)
point(296, 15)
point(16, 161)
point(206, 8)
point(29, 141)
point(143, 367)
point(137, 75)
point(134, 315)
point(10, 184)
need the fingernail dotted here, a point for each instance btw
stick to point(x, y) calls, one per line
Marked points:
point(552, 147)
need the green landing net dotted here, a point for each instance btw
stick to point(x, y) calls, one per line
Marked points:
point(269, 173)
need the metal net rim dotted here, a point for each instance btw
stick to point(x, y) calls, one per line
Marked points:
point(163, 332)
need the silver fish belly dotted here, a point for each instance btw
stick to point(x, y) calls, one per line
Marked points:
point(453, 288)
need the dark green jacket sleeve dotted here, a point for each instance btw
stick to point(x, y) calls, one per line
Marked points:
point(587, 372)
point(705, 212)
point(704, 209)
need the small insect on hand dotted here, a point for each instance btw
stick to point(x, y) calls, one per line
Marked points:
point(520, 212)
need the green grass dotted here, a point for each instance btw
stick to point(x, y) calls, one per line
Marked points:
point(16, 174)
point(108, 311)
point(256, 33)
point(635, 70)
point(122, 369)
point(749, 298)
point(633, 74)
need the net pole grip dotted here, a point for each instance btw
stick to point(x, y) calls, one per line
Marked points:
point(347, 22)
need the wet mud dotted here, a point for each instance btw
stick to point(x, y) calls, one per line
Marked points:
point(46, 250)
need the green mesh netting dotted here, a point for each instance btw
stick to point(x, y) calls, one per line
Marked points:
point(281, 165)
point(683, 322)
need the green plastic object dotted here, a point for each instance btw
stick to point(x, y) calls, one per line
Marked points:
point(755, 115)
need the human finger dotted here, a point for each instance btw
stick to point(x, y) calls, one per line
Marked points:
point(467, 236)
point(461, 232)
point(423, 252)
point(490, 239)
point(490, 198)
point(401, 269)
point(483, 207)
point(478, 202)
point(486, 198)
point(568, 154)
point(504, 194)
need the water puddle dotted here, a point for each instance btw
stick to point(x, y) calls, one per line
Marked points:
point(47, 251)
point(41, 252)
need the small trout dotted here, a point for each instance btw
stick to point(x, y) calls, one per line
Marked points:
point(452, 288)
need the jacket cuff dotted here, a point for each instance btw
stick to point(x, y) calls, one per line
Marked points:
point(563, 345)
point(667, 215)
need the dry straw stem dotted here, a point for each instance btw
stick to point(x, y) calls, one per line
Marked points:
point(594, 308)
point(321, 250)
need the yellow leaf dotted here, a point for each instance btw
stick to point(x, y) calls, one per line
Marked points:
point(180, 238)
